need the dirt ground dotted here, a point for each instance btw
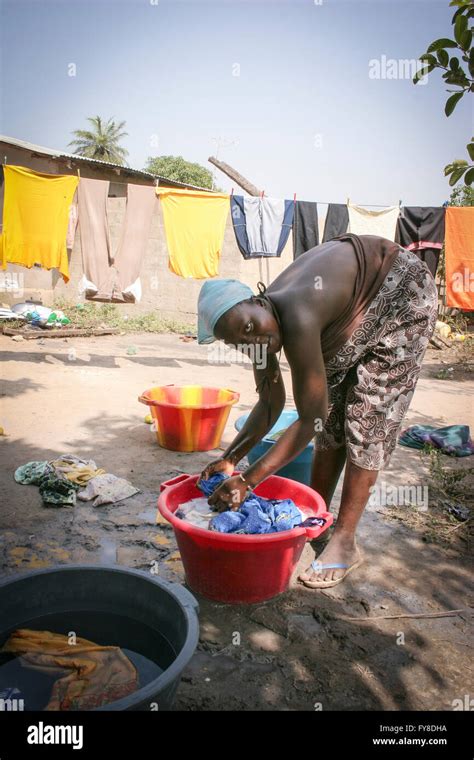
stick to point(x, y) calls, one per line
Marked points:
point(298, 651)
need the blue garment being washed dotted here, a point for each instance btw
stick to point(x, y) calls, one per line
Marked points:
point(255, 515)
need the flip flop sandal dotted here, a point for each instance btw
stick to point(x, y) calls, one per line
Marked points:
point(320, 566)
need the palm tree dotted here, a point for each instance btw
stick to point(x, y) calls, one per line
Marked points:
point(102, 141)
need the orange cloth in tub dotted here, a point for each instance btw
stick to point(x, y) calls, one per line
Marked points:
point(89, 675)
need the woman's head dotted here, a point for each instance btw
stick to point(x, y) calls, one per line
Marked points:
point(250, 322)
point(228, 311)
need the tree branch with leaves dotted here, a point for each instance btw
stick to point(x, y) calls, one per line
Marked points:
point(455, 57)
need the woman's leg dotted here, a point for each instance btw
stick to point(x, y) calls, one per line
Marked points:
point(342, 546)
point(397, 328)
point(326, 470)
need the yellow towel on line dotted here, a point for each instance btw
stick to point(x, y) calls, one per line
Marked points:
point(194, 225)
point(35, 218)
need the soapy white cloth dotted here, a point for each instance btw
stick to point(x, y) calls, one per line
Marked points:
point(196, 511)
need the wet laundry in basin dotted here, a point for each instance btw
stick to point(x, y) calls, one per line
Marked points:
point(255, 515)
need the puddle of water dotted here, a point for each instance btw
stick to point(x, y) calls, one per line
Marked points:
point(108, 551)
point(149, 515)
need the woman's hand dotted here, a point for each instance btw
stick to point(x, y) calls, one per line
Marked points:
point(229, 495)
point(218, 465)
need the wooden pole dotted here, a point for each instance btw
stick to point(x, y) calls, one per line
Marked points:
point(235, 176)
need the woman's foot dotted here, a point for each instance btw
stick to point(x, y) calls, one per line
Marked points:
point(341, 549)
point(319, 544)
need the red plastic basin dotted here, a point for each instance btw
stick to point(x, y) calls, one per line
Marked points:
point(241, 568)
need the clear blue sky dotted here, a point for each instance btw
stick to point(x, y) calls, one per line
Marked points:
point(166, 68)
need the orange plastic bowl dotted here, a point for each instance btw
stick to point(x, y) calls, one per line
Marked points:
point(189, 417)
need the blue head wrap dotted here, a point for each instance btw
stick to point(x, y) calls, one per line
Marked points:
point(217, 297)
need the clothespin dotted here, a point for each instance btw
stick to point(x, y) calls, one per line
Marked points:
point(4, 160)
point(231, 192)
point(399, 203)
point(294, 198)
point(348, 201)
point(78, 172)
point(263, 193)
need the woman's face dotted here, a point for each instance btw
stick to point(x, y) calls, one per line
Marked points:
point(249, 323)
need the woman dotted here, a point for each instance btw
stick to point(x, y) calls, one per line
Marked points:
point(354, 317)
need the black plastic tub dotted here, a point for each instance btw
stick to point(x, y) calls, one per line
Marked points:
point(146, 614)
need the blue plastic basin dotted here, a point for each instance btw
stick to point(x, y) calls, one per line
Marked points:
point(300, 468)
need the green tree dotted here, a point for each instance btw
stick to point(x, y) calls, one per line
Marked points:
point(462, 196)
point(102, 141)
point(457, 73)
point(180, 170)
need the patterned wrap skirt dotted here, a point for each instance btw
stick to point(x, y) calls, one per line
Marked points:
point(372, 378)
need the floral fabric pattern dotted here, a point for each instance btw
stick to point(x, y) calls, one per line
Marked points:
point(372, 378)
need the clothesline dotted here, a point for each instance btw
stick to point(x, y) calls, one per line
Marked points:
point(331, 203)
point(378, 205)
point(322, 203)
point(39, 222)
point(374, 205)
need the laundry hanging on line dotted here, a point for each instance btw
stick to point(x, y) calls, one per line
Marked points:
point(110, 276)
point(194, 226)
point(35, 218)
point(382, 222)
point(421, 229)
point(73, 218)
point(195, 236)
point(305, 227)
point(3, 260)
point(337, 221)
point(459, 254)
point(261, 225)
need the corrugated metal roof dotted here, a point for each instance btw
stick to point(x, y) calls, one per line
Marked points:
point(73, 156)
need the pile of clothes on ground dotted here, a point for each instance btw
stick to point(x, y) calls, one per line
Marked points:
point(62, 481)
point(454, 440)
point(255, 515)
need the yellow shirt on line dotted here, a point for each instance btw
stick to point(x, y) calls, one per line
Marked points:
point(194, 225)
point(35, 218)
